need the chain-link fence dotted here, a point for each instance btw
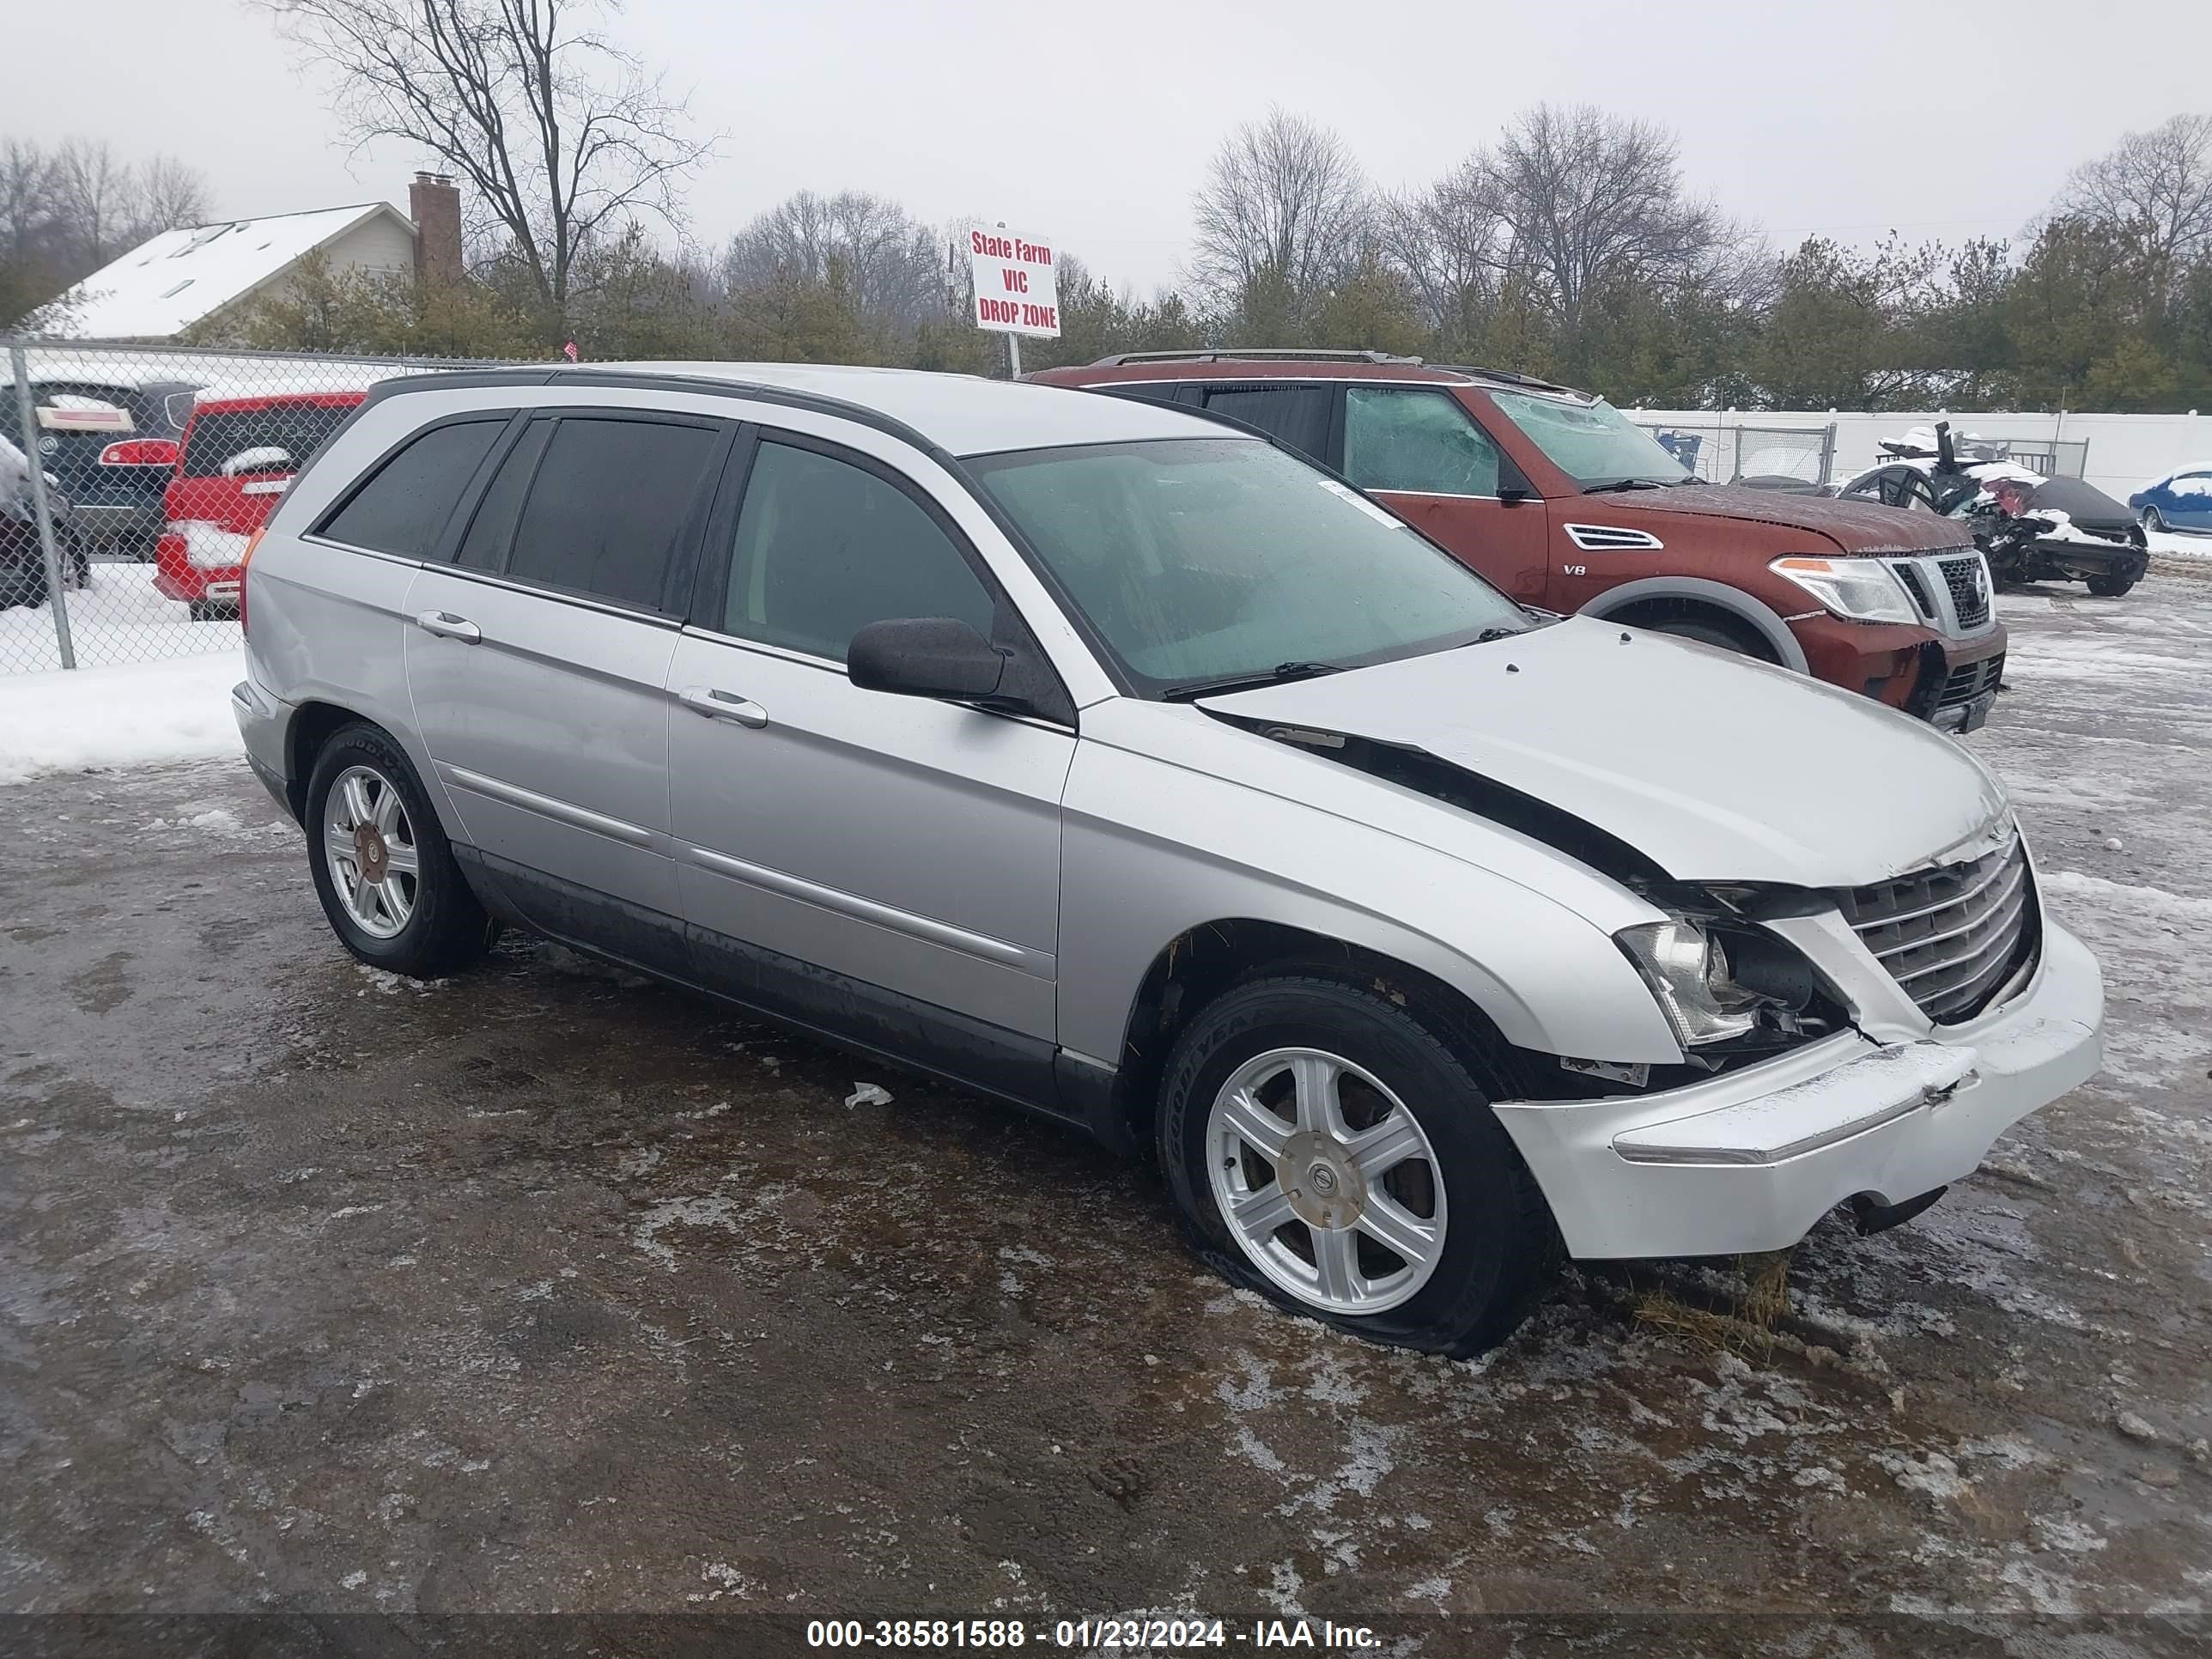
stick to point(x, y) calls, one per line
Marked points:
point(1778, 457)
point(2054, 457)
point(154, 465)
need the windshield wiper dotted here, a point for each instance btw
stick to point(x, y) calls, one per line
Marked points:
point(1280, 674)
point(1612, 485)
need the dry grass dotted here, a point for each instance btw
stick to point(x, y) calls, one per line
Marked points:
point(1744, 1326)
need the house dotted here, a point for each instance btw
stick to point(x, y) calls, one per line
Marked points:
point(183, 279)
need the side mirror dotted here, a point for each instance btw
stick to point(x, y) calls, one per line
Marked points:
point(1514, 494)
point(926, 657)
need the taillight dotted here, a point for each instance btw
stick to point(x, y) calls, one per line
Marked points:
point(140, 451)
point(246, 559)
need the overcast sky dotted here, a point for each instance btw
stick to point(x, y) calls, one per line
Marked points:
point(1091, 124)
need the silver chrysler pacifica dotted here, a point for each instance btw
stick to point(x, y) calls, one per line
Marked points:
point(1118, 763)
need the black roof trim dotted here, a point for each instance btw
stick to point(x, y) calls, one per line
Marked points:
point(1507, 376)
point(712, 386)
point(1254, 354)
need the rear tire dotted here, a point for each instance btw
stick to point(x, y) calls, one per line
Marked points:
point(1402, 1146)
point(2110, 587)
point(26, 584)
point(368, 821)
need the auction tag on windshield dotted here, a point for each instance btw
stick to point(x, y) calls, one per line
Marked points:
point(1379, 514)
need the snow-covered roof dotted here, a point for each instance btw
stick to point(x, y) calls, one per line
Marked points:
point(162, 287)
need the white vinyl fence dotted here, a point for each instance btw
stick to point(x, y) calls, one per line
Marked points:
point(2118, 453)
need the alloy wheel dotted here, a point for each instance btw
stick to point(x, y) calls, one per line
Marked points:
point(1326, 1181)
point(369, 840)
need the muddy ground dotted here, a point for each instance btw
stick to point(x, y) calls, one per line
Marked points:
point(548, 1289)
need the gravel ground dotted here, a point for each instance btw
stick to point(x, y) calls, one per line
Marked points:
point(547, 1290)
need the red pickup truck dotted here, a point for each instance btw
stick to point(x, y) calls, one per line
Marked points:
point(1565, 503)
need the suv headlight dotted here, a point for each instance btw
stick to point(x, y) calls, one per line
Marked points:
point(1864, 590)
point(1689, 972)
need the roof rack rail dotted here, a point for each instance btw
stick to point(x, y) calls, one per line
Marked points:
point(1510, 377)
point(1295, 353)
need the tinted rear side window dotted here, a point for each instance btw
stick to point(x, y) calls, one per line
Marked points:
point(403, 508)
point(492, 530)
point(1298, 415)
point(609, 504)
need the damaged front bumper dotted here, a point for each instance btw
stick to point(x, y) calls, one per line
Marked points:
point(1749, 1161)
point(2062, 559)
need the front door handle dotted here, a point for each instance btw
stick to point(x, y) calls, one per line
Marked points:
point(722, 706)
point(447, 626)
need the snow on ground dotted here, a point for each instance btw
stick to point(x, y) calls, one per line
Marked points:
point(2177, 544)
point(126, 715)
point(120, 618)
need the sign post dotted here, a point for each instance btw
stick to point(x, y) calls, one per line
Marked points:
point(1017, 286)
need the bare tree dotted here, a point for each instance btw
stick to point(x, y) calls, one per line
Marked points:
point(2158, 184)
point(1450, 242)
point(30, 201)
point(99, 200)
point(889, 261)
point(1285, 203)
point(562, 139)
point(1592, 197)
point(171, 194)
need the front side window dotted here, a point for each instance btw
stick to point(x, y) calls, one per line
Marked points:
point(824, 547)
point(1420, 442)
point(608, 507)
point(403, 508)
point(1198, 559)
point(1592, 443)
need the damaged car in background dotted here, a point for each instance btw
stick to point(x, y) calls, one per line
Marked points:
point(2032, 528)
point(1130, 768)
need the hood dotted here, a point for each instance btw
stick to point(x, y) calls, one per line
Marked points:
point(1714, 768)
point(2084, 503)
point(1853, 526)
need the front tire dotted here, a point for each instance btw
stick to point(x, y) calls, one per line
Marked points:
point(1332, 1150)
point(2110, 587)
point(1720, 634)
point(2154, 521)
point(383, 867)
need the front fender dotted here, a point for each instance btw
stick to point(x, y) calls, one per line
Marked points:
point(1697, 590)
point(1194, 820)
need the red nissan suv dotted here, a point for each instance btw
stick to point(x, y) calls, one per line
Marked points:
point(1565, 503)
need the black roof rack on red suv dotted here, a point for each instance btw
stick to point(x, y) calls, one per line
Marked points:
point(1231, 354)
point(1328, 354)
point(1512, 378)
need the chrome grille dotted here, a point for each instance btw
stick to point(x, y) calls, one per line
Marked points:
point(1950, 937)
point(1910, 575)
point(1969, 591)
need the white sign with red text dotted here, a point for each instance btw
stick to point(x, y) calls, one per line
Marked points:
point(1016, 289)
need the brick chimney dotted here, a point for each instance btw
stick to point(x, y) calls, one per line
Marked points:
point(435, 206)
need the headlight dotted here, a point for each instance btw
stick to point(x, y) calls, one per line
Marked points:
point(1865, 590)
point(1688, 973)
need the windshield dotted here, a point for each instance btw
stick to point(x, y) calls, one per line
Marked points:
point(1199, 559)
point(1591, 443)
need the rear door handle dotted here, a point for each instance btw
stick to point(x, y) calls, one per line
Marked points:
point(446, 625)
point(722, 706)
